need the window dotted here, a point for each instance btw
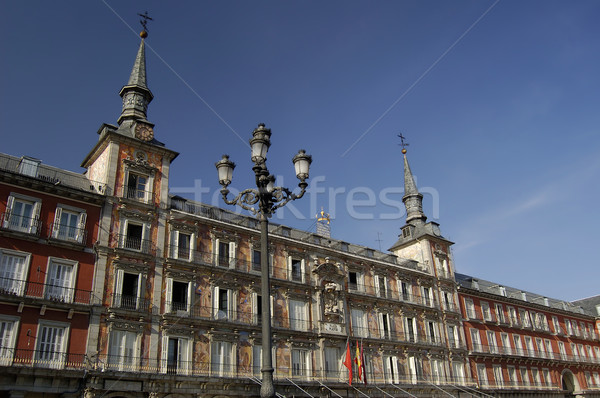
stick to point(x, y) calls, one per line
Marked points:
point(405, 291)
point(596, 378)
point(525, 319)
point(221, 358)
point(390, 369)
point(122, 351)
point(529, 345)
point(569, 327)
point(257, 307)
point(182, 245)
point(415, 369)
point(134, 236)
point(512, 316)
point(384, 326)
point(60, 280)
point(138, 187)
point(453, 338)
point(432, 332)
point(427, 296)
point(476, 340)
point(535, 375)
point(485, 310)
point(588, 379)
point(381, 286)
point(549, 349)
point(590, 353)
point(296, 269)
point(69, 224)
point(13, 270)
point(356, 281)
point(574, 351)
point(562, 350)
point(256, 360)
point(178, 297)
point(224, 303)
point(556, 323)
point(498, 375)
point(512, 375)
point(332, 363)
point(448, 300)
point(128, 287)
point(482, 375)
point(256, 260)
point(500, 313)
point(176, 355)
point(524, 376)
point(411, 328)
point(540, 346)
point(492, 343)
point(358, 323)
point(300, 363)
point(470, 308)
point(225, 253)
point(546, 374)
point(505, 343)
point(518, 345)
point(8, 335)
point(51, 344)
point(458, 371)
point(437, 371)
point(22, 214)
point(581, 350)
point(298, 315)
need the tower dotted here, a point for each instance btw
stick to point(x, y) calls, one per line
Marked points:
point(134, 166)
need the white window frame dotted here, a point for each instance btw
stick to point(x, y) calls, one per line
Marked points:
point(547, 376)
point(359, 328)
point(256, 300)
point(506, 343)
point(499, 378)
point(225, 353)
point(437, 371)
point(427, 295)
point(31, 227)
point(291, 274)
point(118, 289)
point(511, 370)
point(331, 363)
point(298, 315)
point(432, 327)
point(476, 340)
point(231, 252)
point(556, 324)
point(183, 355)
point(492, 342)
point(147, 193)
point(405, 291)
point(383, 320)
point(175, 251)
point(391, 369)
point(453, 336)
point(55, 359)
point(500, 317)
point(64, 232)
point(512, 316)
point(486, 311)
point(301, 363)
point(169, 296)
point(14, 280)
point(410, 326)
point(381, 291)
point(123, 350)
point(482, 375)
point(231, 295)
point(562, 350)
point(144, 241)
point(470, 308)
point(360, 281)
point(458, 372)
point(60, 289)
point(529, 345)
point(9, 329)
point(523, 372)
point(518, 342)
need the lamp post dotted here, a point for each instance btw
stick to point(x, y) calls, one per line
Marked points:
point(267, 198)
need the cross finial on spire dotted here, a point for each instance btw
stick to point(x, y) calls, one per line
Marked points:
point(144, 23)
point(403, 143)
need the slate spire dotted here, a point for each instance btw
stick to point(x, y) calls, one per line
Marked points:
point(413, 200)
point(136, 94)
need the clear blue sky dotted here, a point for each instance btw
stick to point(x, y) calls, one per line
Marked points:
point(498, 100)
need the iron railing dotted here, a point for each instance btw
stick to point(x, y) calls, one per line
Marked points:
point(67, 233)
point(136, 244)
point(45, 291)
point(18, 223)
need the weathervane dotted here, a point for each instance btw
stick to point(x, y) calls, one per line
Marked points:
point(144, 23)
point(403, 143)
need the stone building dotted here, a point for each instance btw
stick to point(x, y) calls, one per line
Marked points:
point(164, 298)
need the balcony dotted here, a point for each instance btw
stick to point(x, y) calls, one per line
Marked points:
point(21, 224)
point(137, 195)
point(44, 291)
point(136, 244)
point(17, 357)
point(132, 303)
point(67, 233)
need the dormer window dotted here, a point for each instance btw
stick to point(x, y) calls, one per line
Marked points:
point(406, 232)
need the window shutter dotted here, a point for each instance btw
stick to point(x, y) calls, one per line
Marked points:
point(216, 251)
point(233, 304)
point(183, 363)
point(138, 296)
point(114, 351)
point(232, 254)
point(377, 287)
point(302, 270)
point(117, 298)
point(188, 304)
point(56, 226)
point(215, 300)
point(35, 216)
point(81, 228)
point(9, 206)
point(174, 244)
point(169, 295)
point(164, 355)
point(289, 267)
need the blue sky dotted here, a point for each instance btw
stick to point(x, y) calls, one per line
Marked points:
point(498, 100)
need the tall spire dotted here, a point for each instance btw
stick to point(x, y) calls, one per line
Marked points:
point(413, 200)
point(136, 94)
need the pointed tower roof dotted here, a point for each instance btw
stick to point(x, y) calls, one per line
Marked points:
point(136, 94)
point(413, 200)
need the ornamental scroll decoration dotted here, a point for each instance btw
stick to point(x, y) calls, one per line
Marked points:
point(331, 280)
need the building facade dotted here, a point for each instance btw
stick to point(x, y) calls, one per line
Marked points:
point(111, 287)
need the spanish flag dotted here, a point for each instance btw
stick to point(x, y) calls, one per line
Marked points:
point(359, 359)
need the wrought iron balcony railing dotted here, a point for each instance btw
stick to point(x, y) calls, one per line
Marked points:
point(18, 223)
point(44, 291)
point(16, 357)
point(136, 244)
point(138, 195)
point(67, 233)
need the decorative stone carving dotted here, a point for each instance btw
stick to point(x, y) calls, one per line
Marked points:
point(140, 164)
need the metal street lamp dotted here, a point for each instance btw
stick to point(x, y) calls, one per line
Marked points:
point(267, 198)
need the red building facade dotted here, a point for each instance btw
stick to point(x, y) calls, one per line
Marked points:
point(48, 226)
point(523, 343)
